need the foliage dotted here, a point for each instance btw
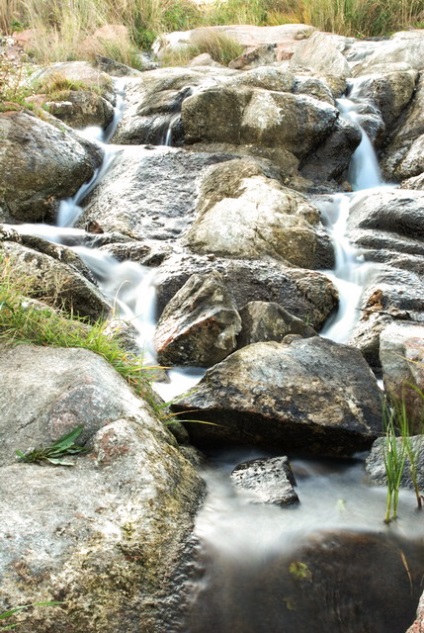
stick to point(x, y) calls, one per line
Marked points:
point(13, 91)
point(56, 452)
point(220, 47)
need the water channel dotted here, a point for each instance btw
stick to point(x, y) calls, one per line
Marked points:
point(328, 564)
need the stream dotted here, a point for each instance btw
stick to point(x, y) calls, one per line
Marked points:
point(262, 568)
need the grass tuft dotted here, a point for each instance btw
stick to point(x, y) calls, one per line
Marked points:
point(25, 321)
point(222, 48)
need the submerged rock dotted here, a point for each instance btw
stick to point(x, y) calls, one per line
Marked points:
point(311, 395)
point(267, 480)
point(106, 536)
point(199, 325)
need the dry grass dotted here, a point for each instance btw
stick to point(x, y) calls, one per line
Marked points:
point(219, 46)
point(65, 26)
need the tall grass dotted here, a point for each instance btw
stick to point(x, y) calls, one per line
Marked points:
point(63, 25)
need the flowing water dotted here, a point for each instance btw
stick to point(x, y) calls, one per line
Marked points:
point(260, 568)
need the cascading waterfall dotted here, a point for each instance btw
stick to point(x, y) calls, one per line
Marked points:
point(240, 543)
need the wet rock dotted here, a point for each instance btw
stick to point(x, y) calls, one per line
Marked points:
point(68, 286)
point(40, 164)
point(311, 395)
point(111, 552)
point(375, 462)
point(331, 160)
point(268, 480)
point(244, 213)
point(156, 195)
point(262, 321)
point(199, 325)
point(390, 92)
point(308, 295)
point(402, 361)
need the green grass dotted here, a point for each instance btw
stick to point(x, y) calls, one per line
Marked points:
point(24, 321)
point(10, 613)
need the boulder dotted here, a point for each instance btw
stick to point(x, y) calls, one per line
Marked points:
point(66, 285)
point(322, 53)
point(104, 537)
point(418, 625)
point(403, 47)
point(243, 213)
point(391, 92)
point(308, 295)
point(309, 395)
point(308, 587)
point(199, 325)
point(39, 165)
point(79, 108)
point(402, 362)
point(267, 480)
point(268, 321)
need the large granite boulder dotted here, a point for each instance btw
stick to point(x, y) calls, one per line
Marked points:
point(309, 395)
point(39, 165)
point(244, 213)
point(105, 536)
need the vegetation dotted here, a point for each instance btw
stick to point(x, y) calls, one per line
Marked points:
point(220, 47)
point(399, 452)
point(65, 29)
point(57, 452)
point(26, 321)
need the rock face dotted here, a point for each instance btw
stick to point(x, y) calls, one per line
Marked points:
point(310, 395)
point(39, 165)
point(267, 321)
point(199, 325)
point(266, 480)
point(126, 506)
point(141, 207)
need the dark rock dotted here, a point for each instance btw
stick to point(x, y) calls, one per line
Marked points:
point(311, 395)
point(199, 325)
point(268, 480)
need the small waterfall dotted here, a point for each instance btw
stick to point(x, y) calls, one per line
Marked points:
point(351, 272)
